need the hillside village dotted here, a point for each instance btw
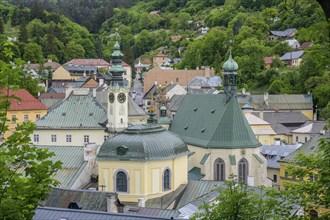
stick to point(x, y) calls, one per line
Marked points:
point(156, 136)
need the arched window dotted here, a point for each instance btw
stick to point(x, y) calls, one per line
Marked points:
point(167, 180)
point(121, 181)
point(219, 170)
point(243, 170)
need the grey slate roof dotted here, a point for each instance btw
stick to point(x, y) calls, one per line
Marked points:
point(73, 163)
point(311, 127)
point(311, 146)
point(175, 102)
point(89, 199)
point(292, 55)
point(151, 212)
point(284, 122)
point(196, 189)
point(146, 142)
point(134, 109)
point(47, 213)
point(274, 153)
point(75, 112)
point(280, 102)
point(202, 81)
point(165, 201)
point(285, 33)
point(208, 121)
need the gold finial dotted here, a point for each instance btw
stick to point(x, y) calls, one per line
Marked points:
point(152, 104)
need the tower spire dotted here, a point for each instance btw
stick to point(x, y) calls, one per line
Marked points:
point(230, 76)
point(117, 70)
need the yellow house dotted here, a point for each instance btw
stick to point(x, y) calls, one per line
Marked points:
point(309, 147)
point(61, 74)
point(25, 108)
point(261, 129)
point(143, 162)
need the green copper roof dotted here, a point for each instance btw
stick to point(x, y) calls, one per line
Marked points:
point(230, 65)
point(195, 174)
point(206, 120)
point(146, 142)
point(75, 112)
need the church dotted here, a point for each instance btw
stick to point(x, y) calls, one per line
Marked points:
point(218, 135)
point(209, 137)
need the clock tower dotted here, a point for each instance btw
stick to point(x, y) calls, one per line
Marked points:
point(117, 93)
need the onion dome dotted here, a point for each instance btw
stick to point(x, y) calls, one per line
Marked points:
point(230, 65)
point(116, 69)
point(146, 142)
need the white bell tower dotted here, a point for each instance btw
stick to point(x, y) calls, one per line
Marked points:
point(117, 94)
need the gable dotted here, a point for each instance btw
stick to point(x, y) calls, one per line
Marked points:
point(205, 120)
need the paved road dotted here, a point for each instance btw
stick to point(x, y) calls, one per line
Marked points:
point(138, 90)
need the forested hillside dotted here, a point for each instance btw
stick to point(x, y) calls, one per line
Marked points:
point(41, 26)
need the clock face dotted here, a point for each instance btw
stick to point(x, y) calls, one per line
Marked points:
point(111, 97)
point(121, 97)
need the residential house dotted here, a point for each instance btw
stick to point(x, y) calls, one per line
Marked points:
point(274, 153)
point(75, 121)
point(48, 65)
point(283, 123)
point(170, 91)
point(293, 43)
point(139, 67)
point(268, 62)
point(51, 99)
point(282, 35)
point(305, 45)
point(261, 129)
point(23, 109)
point(308, 130)
point(159, 59)
point(216, 131)
point(281, 103)
point(176, 38)
point(155, 12)
point(204, 30)
point(293, 58)
point(99, 63)
point(61, 74)
point(165, 77)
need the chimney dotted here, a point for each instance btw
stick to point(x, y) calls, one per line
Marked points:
point(111, 203)
point(266, 96)
point(207, 72)
point(101, 82)
point(142, 202)
point(94, 92)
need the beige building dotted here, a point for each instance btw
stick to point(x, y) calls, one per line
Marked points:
point(143, 162)
point(166, 77)
point(159, 59)
point(61, 74)
point(308, 130)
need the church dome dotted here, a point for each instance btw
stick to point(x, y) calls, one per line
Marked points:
point(146, 142)
point(230, 65)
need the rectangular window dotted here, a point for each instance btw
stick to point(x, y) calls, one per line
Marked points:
point(36, 138)
point(306, 139)
point(177, 79)
point(37, 117)
point(13, 119)
point(86, 138)
point(275, 178)
point(297, 139)
point(286, 174)
point(68, 138)
point(105, 137)
point(53, 137)
point(26, 118)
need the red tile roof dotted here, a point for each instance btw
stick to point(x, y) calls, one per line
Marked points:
point(268, 60)
point(26, 102)
point(88, 62)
